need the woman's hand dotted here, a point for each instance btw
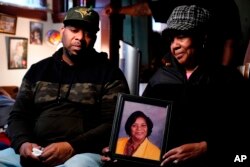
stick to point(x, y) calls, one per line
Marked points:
point(105, 157)
point(105, 152)
point(184, 152)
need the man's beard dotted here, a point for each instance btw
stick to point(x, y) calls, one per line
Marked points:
point(80, 56)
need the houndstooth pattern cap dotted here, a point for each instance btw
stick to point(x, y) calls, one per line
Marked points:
point(186, 18)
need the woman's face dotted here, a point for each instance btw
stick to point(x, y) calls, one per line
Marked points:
point(182, 49)
point(139, 129)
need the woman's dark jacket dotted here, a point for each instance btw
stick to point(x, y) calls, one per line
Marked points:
point(206, 107)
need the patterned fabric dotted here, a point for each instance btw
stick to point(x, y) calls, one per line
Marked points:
point(86, 16)
point(130, 148)
point(58, 102)
point(4, 141)
point(188, 17)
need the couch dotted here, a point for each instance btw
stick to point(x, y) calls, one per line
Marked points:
point(11, 90)
point(5, 107)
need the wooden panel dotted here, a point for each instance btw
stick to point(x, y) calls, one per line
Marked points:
point(24, 12)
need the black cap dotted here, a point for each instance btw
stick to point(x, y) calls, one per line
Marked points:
point(82, 16)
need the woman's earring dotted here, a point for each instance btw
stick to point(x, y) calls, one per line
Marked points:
point(204, 44)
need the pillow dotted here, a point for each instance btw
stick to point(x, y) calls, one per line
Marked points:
point(6, 105)
point(4, 141)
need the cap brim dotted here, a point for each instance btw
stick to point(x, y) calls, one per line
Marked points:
point(81, 23)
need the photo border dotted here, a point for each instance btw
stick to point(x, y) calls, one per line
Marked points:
point(122, 99)
point(8, 24)
point(11, 49)
point(36, 26)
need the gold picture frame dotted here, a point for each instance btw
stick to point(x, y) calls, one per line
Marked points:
point(8, 24)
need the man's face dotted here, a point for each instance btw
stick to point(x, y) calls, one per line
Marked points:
point(75, 39)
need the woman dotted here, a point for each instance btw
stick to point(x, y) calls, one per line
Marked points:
point(138, 127)
point(196, 87)
point(208, 111)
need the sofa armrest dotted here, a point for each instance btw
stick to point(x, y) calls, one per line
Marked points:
point(11, 90)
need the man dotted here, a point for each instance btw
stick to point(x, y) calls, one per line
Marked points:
point(64, 110)
point(225, 26)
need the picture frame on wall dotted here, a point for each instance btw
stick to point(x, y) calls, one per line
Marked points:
point(8, 24)
point(36, 33)
point(17, 53)
point(140, 118)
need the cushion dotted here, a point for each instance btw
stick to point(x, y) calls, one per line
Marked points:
point(4, 141)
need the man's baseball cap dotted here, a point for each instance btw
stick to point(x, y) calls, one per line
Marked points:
point(82, 16)
point(187, 18)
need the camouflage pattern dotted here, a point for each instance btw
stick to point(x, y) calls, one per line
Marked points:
point(57, 102)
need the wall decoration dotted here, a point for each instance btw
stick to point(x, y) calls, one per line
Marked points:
point(36, 33)
point(17, 53)
point(53, 37)
point(8, 24)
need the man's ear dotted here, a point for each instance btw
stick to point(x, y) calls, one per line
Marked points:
point(205, 37)
point(204, 40)
point(61, 30)
point(92, 40)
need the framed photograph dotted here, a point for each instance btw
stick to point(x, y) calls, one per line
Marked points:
point(140, 129)
point(17, 53)
point(8, 24)
point(36, 33)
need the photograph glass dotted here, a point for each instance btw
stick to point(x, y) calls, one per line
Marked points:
point(18, 50)
point(36, 33)
point(140, 129)
point(8, 24)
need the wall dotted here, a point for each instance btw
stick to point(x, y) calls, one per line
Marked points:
point(137, 28)
point(35, 52)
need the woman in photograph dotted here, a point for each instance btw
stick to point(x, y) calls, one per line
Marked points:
point(36, 36)
point(17, 56)
point(138, 127)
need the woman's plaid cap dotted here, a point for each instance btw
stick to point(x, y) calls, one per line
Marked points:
point(185, 18)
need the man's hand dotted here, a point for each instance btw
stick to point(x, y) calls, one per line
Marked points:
point(26, 150)
point(56, 153)
point(184, 152)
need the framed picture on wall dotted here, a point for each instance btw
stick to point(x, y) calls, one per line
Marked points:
point(36, 33)
point(17, 53)
point(8, 24)
point(144, 120)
